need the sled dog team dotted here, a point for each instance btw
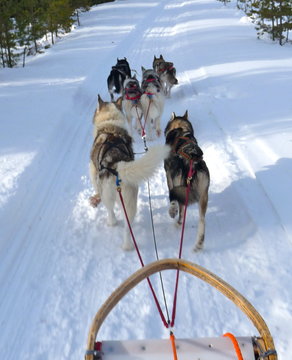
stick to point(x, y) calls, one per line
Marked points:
point(112, 159)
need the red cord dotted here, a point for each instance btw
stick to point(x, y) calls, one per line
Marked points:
point(235, 345)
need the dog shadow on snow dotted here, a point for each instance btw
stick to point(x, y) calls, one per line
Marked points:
point(230, 216)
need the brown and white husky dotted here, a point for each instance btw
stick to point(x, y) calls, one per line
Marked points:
point(152, 101)
point(112, 159)
point(186, 158)
point(166, 72)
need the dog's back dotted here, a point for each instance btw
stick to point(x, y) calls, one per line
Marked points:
point(117, 77)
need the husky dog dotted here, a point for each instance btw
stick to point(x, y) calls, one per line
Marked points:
point(166, 72)
point(112, 164)
point(131, 102)
point(152, 101)
point(185, 163)
point(117, 77)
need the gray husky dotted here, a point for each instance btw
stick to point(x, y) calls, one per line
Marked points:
point(185, 157)
point(132, 103)
point(112, 163)
point(166, 72)
point(152, 101)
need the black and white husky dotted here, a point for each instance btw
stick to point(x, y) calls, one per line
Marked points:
point(117, 77)
point(152, 101)
point(186, 158)
point(166, 72)
point(112, 159)
point(132, 103)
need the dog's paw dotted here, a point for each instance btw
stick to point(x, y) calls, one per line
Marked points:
point(127, 245)
point(198, 247)
point(94, 200)
point(111, 221)
point(173, 209)
point(111, 218)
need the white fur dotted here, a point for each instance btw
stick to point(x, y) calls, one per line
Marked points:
point(152, 110)
point(133, 172)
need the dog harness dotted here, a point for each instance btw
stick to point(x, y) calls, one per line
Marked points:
point(110, 143)
point(133, 92)
point(181, 145)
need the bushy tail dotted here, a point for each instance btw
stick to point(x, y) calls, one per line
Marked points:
point(134, 172)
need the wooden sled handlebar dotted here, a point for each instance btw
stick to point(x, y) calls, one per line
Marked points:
point(198, 272)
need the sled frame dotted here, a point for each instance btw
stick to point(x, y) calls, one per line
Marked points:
point(198, 271)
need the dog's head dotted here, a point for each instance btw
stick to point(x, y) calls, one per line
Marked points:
point(108, 111)
point(150, 79)
point(123, 66)
point(131, 83)
point(157, 61)
point(179, 122)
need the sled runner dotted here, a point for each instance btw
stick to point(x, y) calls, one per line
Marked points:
point(225, 347)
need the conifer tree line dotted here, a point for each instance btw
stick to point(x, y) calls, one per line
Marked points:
point(24, 22)
point(273, 17)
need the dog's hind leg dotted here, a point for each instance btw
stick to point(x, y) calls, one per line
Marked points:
point(108, 197)
point(181, 214)
point(130, 194)
point(203, 203)
point(95, 199)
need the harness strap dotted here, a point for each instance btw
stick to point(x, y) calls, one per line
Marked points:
point(180, 151)
point(114, 144)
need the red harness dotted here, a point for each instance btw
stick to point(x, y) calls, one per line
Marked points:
point(135, 91)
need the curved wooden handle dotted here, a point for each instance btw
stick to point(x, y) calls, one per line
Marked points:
point(192, 269)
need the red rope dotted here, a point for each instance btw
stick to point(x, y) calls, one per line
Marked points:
point(190, 174)
point(141, 260)
point(145, 119)
point(166, 324)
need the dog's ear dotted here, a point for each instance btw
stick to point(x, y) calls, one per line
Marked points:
point(143, 69)
point(173, 116)
point(161, 57)
point(186, 115)
point(154, 57)
point(100, 101)
point(119, 103)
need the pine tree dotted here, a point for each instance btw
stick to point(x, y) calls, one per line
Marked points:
point(79, 6)
point(59, 16)
point(8, 37)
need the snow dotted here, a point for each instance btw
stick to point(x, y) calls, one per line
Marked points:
point(60, 262)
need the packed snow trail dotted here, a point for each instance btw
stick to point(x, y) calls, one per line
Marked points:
point(59, 262)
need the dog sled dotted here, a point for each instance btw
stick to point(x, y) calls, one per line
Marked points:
point(227, 347)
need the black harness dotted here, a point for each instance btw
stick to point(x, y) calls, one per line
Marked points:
point(110, 143)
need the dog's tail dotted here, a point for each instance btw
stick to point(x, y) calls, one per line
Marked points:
point(133, 172)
